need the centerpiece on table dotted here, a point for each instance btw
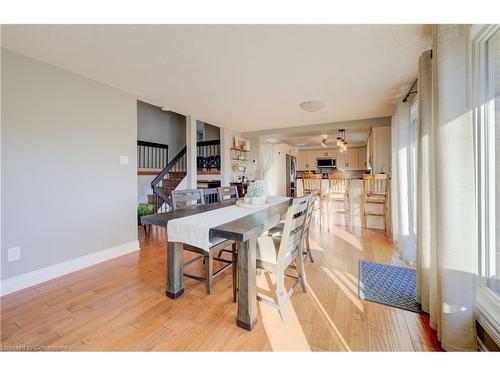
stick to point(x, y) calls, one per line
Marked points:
point(256, 194)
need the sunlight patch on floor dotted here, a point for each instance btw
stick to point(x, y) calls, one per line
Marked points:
point(345, 287)
point(347, 237)
point(353, 278)
point(315, 246)
point(281, 337)
point(352, 286)
point(331, 325)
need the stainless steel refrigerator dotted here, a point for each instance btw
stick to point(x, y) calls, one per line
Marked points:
point(291, 176)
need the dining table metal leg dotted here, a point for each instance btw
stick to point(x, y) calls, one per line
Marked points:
point(247, 284)
point(175, 270)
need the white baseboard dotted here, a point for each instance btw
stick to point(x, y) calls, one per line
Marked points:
point(29, 279)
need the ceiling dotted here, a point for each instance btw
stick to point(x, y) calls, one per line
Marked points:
point(245, 77)
point(352, 137)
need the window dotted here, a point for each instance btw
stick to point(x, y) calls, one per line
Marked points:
point(486, 115)
point(492, 257)
point(413, 169)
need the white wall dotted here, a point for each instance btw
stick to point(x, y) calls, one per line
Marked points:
point(276, 177)
point(211, 132)
point(226, 143)
point(64, 193)
point(144, 187)
point(155, 125)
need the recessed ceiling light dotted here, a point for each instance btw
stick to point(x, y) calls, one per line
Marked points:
point(312, 105)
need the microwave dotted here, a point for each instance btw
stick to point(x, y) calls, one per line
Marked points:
point(326, 163)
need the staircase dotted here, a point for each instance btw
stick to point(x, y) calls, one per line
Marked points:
point(166, 181)
point(172, 180)
point(208, 160)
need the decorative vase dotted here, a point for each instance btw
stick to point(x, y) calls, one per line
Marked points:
point(258, 200)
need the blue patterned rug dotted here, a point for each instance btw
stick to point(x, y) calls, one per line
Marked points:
point(388, 285)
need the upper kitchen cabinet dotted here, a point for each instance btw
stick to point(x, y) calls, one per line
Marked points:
point(379, 150)
point(306, 159)
point(326, 153)
point(301, 160)
point(362, 158)
point(348, 160)
point(354, 158)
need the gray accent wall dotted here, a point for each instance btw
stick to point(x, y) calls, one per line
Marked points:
point(211, 132)
point(64, 192)
point(155, 125)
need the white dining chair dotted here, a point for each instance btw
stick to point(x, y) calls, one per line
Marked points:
point(277, 231)
point(276, 254)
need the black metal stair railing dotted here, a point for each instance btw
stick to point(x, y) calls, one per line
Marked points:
point(207, 158)
point(167, 180)
point(151, 155)
point(208, 155)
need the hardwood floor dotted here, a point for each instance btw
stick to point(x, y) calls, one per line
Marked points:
point(120, 305)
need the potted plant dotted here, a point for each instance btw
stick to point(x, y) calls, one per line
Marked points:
point(144, 209)
point(256, 193)
point(260, 175)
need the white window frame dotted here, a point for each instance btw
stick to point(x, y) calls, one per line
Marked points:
point(414, 134)
point(488, 303)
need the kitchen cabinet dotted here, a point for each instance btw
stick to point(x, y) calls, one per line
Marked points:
point(348, 160)
point(306, 159)
point(380, 149)
point(369, 150)
point(313, 159)
point(362, 158)
point(354, 158)
point(326, 153)
point(301, 160)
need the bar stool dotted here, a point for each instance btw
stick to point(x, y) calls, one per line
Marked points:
point(375, 191)
point(313, 185)
point(338, 184)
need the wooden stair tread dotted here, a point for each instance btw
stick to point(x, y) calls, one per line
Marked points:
point(375, 213)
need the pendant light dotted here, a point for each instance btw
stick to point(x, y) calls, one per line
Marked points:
point(323, 141)
point(341, 142)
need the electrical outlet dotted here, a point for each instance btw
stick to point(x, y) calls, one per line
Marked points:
point(13, 254)
point(124, 160)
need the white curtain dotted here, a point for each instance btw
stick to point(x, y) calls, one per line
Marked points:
point(402, 209)
point(447, 238)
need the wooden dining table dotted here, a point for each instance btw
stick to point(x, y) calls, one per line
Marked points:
point(244, 231)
